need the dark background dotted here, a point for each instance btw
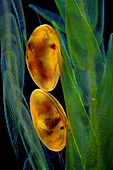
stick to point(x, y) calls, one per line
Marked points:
point(8, 159)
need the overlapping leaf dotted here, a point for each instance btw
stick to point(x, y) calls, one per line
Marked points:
point(12, 67)
point(50, 16)
point(82, 143)
point(61, 7)
point(103, 115)
point(84, 52)
point(12, 35)
point(93, 11)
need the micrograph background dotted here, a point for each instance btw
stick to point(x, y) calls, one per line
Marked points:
point(8, 158)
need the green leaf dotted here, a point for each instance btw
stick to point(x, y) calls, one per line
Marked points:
point(17, 113)
point(50, 16)
point(84, 52)
point(104, 109)
point(89, 10)
point(93, 11)
point(75, 111)
point(73, 156)
point(12, 69)
point(19, 15)
point(99, 25)
point(80, 133)
point(11, 98)
point(61, 7)
point(109, 159)
point(65, 53)
point(12, 48)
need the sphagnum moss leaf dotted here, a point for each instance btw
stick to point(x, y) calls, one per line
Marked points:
point(12, 37)
point(84, 33)
point(103, 112)
point(84, 52)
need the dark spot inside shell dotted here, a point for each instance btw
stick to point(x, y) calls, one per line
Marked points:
point(53, 46)
point(51, 123)
point(43, 71)
point(30, 66)
point(29, 45)
point(46, 106)
point(49, 132)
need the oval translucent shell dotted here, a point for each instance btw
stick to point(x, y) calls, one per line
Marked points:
point(49, 119)
point(42, 57)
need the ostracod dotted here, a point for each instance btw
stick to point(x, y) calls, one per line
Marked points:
point(42, 52)
point(49, 119)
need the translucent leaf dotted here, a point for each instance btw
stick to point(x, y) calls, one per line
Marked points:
point(109, 160)
point(61, 7)
point(19, 15)
point(65, 53)
point(12, 49)
point(89, 10)
point(93, 11)
point(78, 131)
point(26, 165)
point(17, 113)
point(50, 16)
point(103, 115)
point(73, 156)
point(80, 134)
point(12, 67)
point(99, 26)
point(11, 98)
point(84, 52)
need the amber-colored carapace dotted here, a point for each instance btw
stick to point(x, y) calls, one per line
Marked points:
point(49, 119)
point(42, 53)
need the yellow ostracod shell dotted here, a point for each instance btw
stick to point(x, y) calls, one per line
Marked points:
point(42, 53)
point(49, 119)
